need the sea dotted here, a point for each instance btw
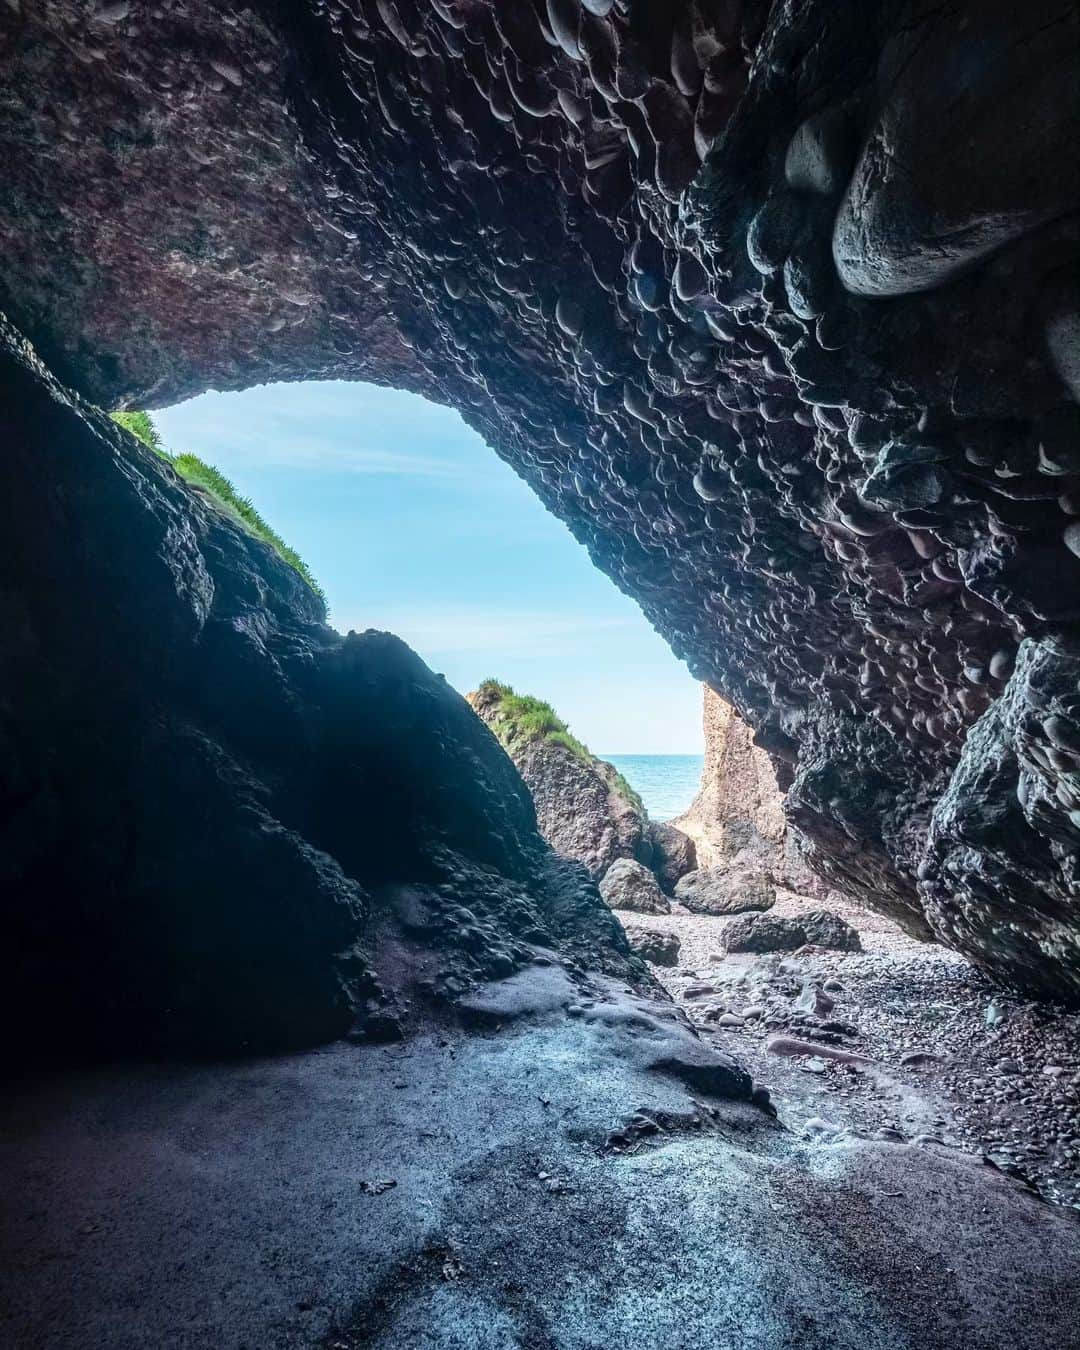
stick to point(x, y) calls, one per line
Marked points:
point(667, 784)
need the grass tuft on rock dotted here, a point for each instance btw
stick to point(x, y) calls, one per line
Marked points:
point(520, 719)
point(222, 493)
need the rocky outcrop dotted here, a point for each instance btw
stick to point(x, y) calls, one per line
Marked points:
point(628, 885)
point(786, 933)
point(739, 808)
point(718, 890)
point(658, 256)
point(225, 826)
point(584, 808)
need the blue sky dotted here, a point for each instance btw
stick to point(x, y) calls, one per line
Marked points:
point(412, 524)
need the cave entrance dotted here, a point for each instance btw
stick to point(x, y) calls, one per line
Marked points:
point(408, 522)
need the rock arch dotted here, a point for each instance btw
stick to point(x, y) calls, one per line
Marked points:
point(816, 414)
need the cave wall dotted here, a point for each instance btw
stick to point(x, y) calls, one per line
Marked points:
point(775, 305)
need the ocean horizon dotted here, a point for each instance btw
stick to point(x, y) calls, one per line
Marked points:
point(667, 784)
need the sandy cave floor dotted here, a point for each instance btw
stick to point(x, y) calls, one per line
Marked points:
point(1001, 1077)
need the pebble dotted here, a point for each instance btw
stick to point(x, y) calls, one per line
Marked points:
point(995, 1014)
point(814, 1000)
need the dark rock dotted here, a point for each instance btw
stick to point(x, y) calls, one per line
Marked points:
point(628, 885)
point(211, 800)
point(712, 890)
point(673, 854)
point(654, 945)
point(775, 933)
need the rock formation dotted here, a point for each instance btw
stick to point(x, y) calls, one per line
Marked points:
point(783, 933)
point(818, 415)
point(653, 945)
point(722, 890)
point(221, 819)
point(739, 807)
point(585, 809)
point(628, 885)
point(673, 854)
point(653, 255)
point(737, 819)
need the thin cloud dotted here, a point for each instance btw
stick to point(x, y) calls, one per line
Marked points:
point(476, 631)
point(331, 457)
point(220, 427)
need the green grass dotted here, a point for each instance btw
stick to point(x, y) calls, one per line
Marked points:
point(141, 424)
point(521, 719)
point(220, 490)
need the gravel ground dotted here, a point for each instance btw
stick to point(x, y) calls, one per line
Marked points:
point(993, 1074)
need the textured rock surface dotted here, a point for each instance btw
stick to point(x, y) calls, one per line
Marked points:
point(737, 819)
point(816, 414)
point(628, 885)
point(519, 1189)
point(653, 945)
point(223, 826)
point(782, 933)
point(739, 806)
point(582, 806)
point(673, 854)
point(715, 890)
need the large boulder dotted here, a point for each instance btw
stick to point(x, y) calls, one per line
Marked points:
point(673, 854)
point(784, 933)
point(628, 885)
point(654, 945)
point(714, 890)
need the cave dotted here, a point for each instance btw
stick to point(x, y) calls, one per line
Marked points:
point(313, 1039)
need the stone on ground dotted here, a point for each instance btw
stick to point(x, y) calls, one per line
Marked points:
point(774, 933)
point(628, 885)
point(714, 890)
point(654, 945)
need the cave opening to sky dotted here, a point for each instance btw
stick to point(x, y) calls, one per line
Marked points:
point(411, 523)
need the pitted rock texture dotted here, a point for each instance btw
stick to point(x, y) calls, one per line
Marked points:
point(224, 826)
point(714, 277)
